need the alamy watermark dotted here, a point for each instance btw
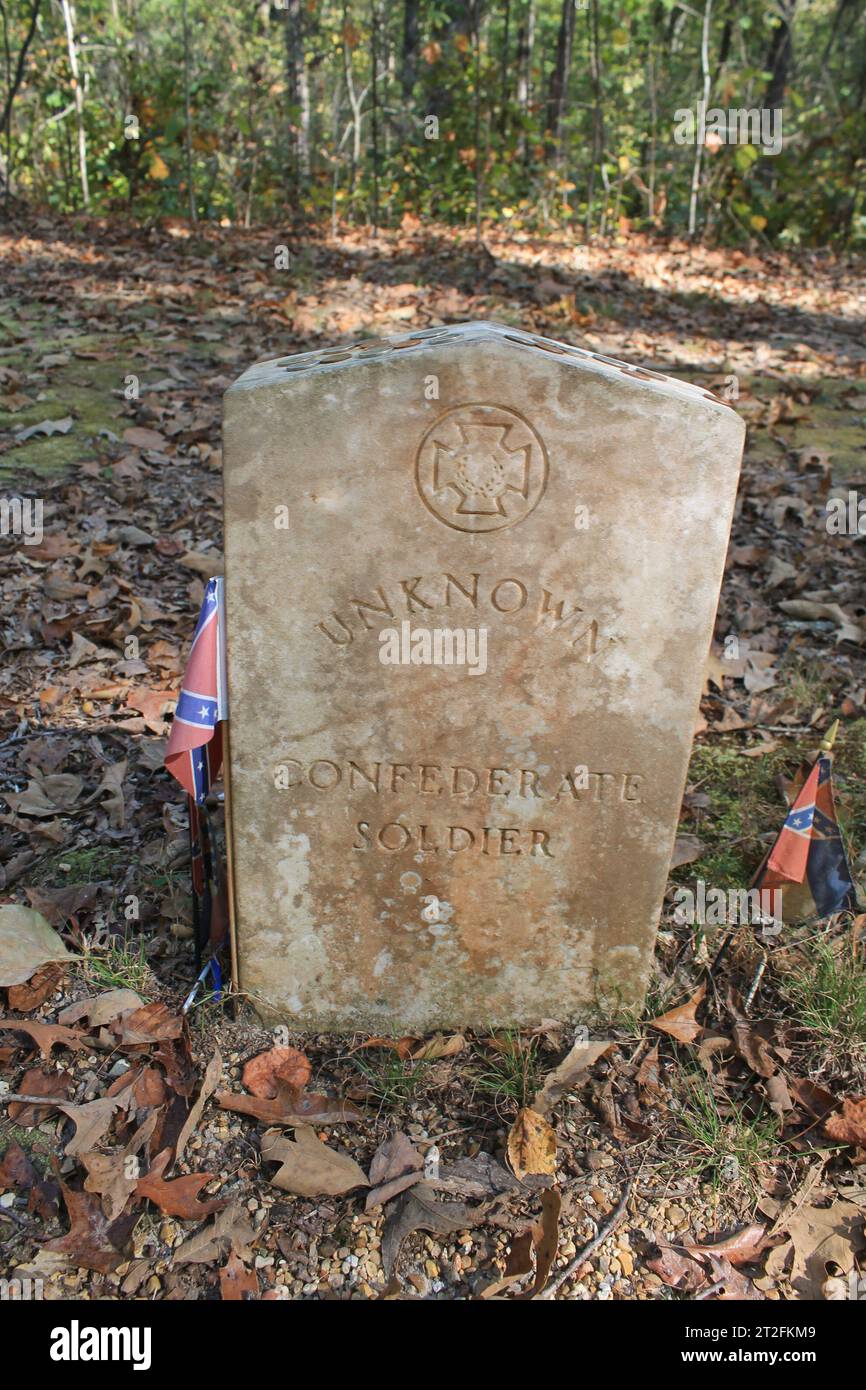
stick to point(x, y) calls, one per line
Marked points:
point(436, 646)
point(752, 125)
point(721, 907)
point(22, 516)
point(846, 516)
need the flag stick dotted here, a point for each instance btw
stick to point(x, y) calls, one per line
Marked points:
point(230, 874)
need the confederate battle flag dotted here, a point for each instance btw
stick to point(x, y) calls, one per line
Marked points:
point(194, 752)
point(808, 861)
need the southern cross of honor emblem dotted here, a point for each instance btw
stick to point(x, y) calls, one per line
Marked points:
point(481, 468)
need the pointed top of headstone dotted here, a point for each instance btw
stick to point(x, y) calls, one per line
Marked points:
point(423, 341)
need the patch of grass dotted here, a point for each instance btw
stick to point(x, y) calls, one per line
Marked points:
point(391, 1080)
point(826, 990)
point(89, 865)
point(723, 1142)
point(747, 810)
point(121, 965)
point(511, 1068)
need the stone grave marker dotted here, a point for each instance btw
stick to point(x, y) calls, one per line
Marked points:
point(471, 579)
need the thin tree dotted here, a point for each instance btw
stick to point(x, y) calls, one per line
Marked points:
point(699, 148)
point(187, 107)
point(78, 92)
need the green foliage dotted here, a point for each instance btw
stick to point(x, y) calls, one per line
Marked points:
point(285, 118)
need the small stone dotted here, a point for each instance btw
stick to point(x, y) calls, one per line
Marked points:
point(626, 1260)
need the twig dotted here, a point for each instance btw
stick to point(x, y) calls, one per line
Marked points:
point(593, 1245)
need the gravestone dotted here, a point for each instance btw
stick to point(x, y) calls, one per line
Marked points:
point(471, 579)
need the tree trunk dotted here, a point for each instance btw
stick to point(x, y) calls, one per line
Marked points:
point(187, 109)
point(409, 56)
point(557, 99)
point(13, 83)
point(699, 148)
point(525, 43)
point(597, 112)
point(374, 111)
point(297, 92)
point(72, 50)
point(779, 55)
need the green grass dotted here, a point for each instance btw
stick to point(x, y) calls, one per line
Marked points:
point(826, 990)
point(90, 865)
point(121, 966)
point(746, 808)
point(511, 1069)
point(391, 1080)
point(722, 1142)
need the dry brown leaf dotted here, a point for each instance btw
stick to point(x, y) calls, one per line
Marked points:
point(531, 1145)
point(151, 1023)
point(571, 1070)
point(92, 1121)
point(396, 1165)
point(438, 1047)
point(286, 1063)
point(102, 1009)
point(848, 1126)
point(291, 1106)
point(48, 1035)
point(92, 1242)
point(742, 1248)
point(237, 1283)
point(231, 1230)
point(54, 1085)
point(680, 1022)
point(309, 1168)
point(177, 1197)
point(208, 1086)
point(23, 998)
point(27, 942)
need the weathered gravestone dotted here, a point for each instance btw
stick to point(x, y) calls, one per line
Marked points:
point(421, 841)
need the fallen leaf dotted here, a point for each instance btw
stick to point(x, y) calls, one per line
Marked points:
point(680, 1022)
point(177, 1197)
point(92, 1121)
point(54, 1085)
point(37, 989)
point(231, 1230)
point(140, 438)
point(309, 1168)
point(418, 1210)
point(742, 1248)
point(47, 1035)
point(438, 1047)
point(27, 942)
point(687, 848)
point(396, 1165)
point(103, 1008)
point(286, 1063)
point(151, 1023)
point(208, 1086)
point(571, 1070)
point(16, 1170)
point(45, 427)
point(237, 1282)
point(92, 1241)
point(109, 1174)
point(291, 1106)
point(531, 1145)
point(849, 1125)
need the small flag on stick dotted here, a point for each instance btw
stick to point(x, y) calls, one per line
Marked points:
point(194, 752)
point(194, 756)
point(808, 863)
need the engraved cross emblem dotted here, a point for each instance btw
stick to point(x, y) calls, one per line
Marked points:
point(481, 468)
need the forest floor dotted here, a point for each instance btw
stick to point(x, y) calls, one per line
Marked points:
point(703, 1123)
